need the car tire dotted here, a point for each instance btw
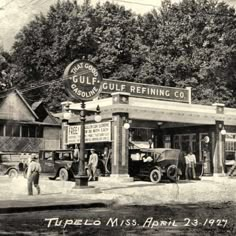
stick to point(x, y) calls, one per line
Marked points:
point(172, 173)
point(63, 174)
point(12, 173)
point(155, 176)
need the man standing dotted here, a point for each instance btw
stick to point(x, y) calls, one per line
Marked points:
point(33, 172)
point(76, 152)
point(190, 161)
point(92, 165)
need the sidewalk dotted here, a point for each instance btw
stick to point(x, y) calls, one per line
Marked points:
point(54, 195)
point(106, 192)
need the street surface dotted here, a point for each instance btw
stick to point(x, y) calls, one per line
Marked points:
point(206, 207)
point(177, 219)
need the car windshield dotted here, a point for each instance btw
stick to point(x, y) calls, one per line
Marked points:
point(5, 158)
point(8, 157)
point(63, 156)
point(170, 155)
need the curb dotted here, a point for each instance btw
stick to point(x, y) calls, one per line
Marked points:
point(58, 206)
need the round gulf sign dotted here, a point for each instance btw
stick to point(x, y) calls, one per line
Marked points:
point(82, 80)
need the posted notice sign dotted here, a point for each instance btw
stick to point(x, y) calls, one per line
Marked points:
point(97, 132)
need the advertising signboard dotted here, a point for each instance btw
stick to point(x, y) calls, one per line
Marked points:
point(146, 90)
point(98, 132)
point(82, 80)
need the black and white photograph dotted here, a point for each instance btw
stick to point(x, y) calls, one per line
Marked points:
point(118, 117)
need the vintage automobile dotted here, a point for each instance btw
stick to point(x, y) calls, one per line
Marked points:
point(58, 163)
point(12, 164)
point(157, 164)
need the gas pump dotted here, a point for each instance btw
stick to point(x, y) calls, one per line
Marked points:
point(206, 157)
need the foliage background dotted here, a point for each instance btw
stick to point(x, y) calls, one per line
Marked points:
point(190, 43)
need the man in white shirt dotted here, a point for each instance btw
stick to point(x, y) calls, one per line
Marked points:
point(33, 172)
point(148, 159)
point(76, 152)
point(92, 165)
point(190, 161)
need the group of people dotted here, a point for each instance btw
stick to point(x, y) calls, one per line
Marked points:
point(34, 168)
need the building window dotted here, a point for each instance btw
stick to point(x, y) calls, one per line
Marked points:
point(177, 141)
point(25, 131)
point(142, 134)
point(8, 130)
point(32, 132)
point(1, 130)
point(185, 142)
point(39, 131)
point(12, 130)
point(230, 147)
point(167, 141)
point(16, 131)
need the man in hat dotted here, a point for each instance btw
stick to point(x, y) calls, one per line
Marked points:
point(33, 172)
point(92, 165)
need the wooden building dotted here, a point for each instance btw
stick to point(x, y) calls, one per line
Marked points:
point(25, 128)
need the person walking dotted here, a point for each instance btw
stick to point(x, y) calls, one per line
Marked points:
point(33, 172)
point(92, 165)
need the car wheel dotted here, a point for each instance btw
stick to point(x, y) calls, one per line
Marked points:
point(155, 176)
point(12, 173)
point(172, 173)
point(63, 174)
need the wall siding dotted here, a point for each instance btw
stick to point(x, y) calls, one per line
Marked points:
point(13, 108)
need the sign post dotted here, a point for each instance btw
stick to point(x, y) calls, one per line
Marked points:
point(83, 83)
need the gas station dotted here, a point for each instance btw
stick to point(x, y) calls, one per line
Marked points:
point(150, 116)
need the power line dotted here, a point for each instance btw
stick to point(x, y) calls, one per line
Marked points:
point(39, 1)
point(136, 3)
point(26, 4)
point(39, 86)
point(29, 89)
point(30, 2)
point(2, 7)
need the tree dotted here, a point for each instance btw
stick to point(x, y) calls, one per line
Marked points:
point(8, 71)
point(190, 43)
point(49, 43)
point(195, 47)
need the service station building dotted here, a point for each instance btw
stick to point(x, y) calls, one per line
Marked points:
point(154, 117)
